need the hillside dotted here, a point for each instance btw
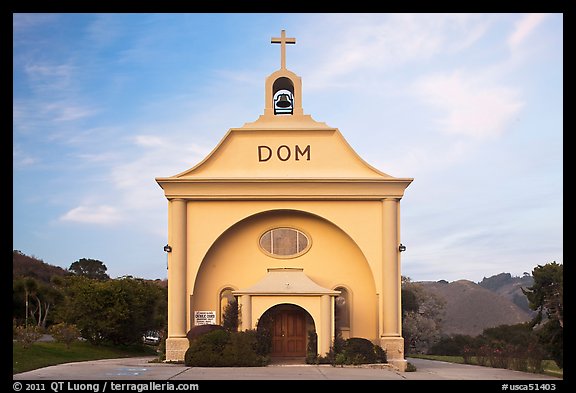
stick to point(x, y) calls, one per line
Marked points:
point(471, 308)
point(27, 266)
point(30, 266)
point(510, 287)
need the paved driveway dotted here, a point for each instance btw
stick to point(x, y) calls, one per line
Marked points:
point(142, 369)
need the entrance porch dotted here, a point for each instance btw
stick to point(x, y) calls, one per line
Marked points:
point(290, 304)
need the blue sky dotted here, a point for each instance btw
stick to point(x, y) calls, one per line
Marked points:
point(469, 105)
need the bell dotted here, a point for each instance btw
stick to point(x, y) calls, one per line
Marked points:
point(283, 101)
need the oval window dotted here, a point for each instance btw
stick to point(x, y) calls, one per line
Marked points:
point(284, 242)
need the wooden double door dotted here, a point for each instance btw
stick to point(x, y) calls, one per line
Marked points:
point(289, 333)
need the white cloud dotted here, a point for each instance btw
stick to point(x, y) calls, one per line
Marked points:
point(102, 214)
point(379, 42)
point(54, 98)
point(105, 29)
point(149, 140)
point(160, 157)
point(469, 105)
point(21, 159)
point(24, 21)
point(63, 111)
point(523, 28)
point(42, 70)
point(48, 78)
point(425, 156)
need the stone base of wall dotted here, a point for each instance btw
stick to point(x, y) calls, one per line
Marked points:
point(394, 347)
point(176, 349)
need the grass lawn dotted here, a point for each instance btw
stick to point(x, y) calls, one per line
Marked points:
point(550, 367)
point(43, 354)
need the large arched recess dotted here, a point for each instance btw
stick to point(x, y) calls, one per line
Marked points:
point(333, 259)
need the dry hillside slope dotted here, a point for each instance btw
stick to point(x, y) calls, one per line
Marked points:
point(471, 308)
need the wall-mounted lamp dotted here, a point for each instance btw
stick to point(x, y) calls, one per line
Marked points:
point(401, 247)
point(167, 248)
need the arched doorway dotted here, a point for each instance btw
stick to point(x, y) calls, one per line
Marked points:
point(288, 326)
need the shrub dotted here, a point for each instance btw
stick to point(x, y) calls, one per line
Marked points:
point(482, 355)
point(230, 317)
point(339, 342)
point(206, 350)
point(263, 344)
point(453, 345)
point(359, 350)
point(220, 348)
point(519, 362)
point(312, 348)
point(340, 359)
point(362, 351)
point(355, 351)
point(26, 336)
point(467, 354)
point(535, 356)
point(381, 356)
point(240, 351)
point(499, 357)
point(199, 330)
point(65, 333)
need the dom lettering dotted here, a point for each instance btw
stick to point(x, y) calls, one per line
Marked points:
point(283, 153)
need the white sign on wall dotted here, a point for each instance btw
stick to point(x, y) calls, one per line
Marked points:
point(204, 318)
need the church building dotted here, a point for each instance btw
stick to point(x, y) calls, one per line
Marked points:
point(284, 216)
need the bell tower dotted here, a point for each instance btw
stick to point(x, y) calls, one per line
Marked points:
point(283, 87)
point(283, 95)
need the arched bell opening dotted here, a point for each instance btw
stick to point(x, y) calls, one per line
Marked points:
point(283, 96)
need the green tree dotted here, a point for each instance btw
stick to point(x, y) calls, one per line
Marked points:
point(38, 298)
point(409, 300)
point(230, 320)
point(518, 334)
point(29, 287)
point(44, 299)
point(116, 311)
point(546, 296)
point(91, 268)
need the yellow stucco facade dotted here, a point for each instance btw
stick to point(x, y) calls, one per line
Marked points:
point(285, 216)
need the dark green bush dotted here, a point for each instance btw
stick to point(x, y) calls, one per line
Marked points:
point(312, 348)
point(241, 351)
point(221, 348)
point(230, 317)
point(339, 342)
point(454, 345)
point(263, 345)
point(381, 356)
point(355, 350)
point(199, 330)
point(359, 351)
point(206, 350)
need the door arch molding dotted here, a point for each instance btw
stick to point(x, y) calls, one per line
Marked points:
point(288, 325)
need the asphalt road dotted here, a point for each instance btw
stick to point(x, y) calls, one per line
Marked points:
point(142, 369)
